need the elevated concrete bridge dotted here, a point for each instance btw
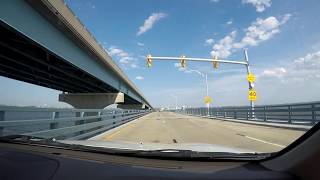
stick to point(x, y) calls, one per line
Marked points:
point(43, 43)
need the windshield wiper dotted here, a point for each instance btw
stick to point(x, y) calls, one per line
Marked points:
point(189, 154)
point(21, 137)
point(52, 142)
point(26, 139)
point(175, 154)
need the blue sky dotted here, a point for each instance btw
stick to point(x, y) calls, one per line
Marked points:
point(282, 38)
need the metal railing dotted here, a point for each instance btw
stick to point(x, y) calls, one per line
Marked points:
point(62, 123)
point(298, 113)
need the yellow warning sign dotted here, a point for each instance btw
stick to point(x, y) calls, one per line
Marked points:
point(252, 95)
point(251, 78)
point(207, 100)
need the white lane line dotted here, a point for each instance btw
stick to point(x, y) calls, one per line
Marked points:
point(252, 138)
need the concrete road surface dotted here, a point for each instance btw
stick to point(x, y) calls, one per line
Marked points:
point(168, 127)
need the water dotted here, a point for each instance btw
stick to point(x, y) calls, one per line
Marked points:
point(27, 115)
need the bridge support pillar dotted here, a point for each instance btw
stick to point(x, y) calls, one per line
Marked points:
point(91, 100)
point(132, 106)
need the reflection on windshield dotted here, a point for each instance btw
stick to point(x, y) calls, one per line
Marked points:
point(157, 81)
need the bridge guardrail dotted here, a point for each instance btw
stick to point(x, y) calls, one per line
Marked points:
point(298, 113)
point(62, 123)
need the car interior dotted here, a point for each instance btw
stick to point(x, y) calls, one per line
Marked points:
point(299, 160)
point(31, 157)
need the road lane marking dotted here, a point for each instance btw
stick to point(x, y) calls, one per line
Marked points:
point(260, 140)
point(119, 131)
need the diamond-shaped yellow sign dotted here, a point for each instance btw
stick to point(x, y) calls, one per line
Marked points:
point(251, 78)
point(207, 100)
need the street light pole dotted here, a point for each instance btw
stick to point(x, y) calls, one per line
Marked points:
point(251, 84)
point(207, 92)
point(176, 100)
point(205, 76)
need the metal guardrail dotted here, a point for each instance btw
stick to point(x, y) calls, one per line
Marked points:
point(62, 123)
point(299, 113)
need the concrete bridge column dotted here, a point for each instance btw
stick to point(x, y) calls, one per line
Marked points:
point(91, 100)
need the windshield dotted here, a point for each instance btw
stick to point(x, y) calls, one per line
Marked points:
point(203, 76)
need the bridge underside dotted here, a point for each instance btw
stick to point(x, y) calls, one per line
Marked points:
point(24, 60)
point(44, 43)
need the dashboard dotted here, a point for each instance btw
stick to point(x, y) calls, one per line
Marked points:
point(33, 162)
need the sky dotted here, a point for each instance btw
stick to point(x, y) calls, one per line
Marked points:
point(282, 38)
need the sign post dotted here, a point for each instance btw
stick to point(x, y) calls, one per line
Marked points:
point(207, 101)
point(251, 78)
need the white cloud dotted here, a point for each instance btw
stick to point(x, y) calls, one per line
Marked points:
point(214, 1)
point(223, 47)
point(209, 41)
point(274, 72)
point(295, 82)
point(311, 61)
point(125, 60)
point(303, 68)
point(134, 65)
point(149, 22)
point(260, 5)
point(123, 57)
point(183, 69)
point(115, 51)
point(229, 22)
point(286, 18)
point(139, 78)
point(140, 44)
point(259, 31)
point(177, 65)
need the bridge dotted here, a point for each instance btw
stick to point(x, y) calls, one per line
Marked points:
point(43, 43)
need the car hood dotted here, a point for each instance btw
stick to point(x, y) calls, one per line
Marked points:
point(199, 147)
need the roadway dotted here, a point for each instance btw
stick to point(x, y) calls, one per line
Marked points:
point(168, 128)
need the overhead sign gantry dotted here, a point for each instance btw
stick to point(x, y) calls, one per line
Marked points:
point(252, 94)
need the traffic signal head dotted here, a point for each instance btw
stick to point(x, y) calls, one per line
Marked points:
point(183, 62)
point(149, 60)
point(215, 63)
